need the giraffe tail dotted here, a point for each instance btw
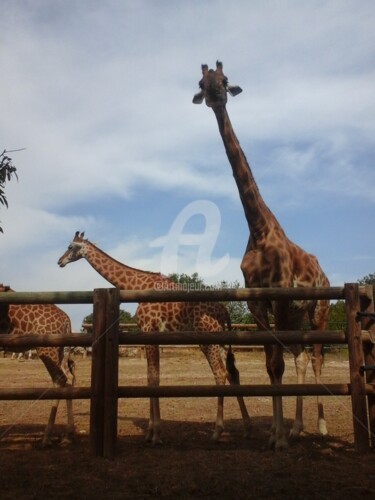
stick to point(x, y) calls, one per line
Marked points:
point(233, 373)
point(69, 365)
point(72, 370)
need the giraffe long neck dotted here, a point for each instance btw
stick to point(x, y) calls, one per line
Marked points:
point(259, 217)
point(120, 275)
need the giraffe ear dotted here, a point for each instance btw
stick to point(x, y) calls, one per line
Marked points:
point(234, 90)
point(198, 98)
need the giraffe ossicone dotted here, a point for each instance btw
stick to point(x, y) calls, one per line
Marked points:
point(270, 260)
point(168, 316)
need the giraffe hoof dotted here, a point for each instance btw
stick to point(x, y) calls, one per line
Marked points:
point(295, 432)
point(282, 444)
point(278, 443)
point(66, 441)
point(248, 432)
point(48, 443)
point(157, 442)
point(271, 442)
point(217, 433)
point(322, 427)
point(69, 438)
point(153, 438)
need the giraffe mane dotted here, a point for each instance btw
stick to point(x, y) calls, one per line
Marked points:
point(160, 275)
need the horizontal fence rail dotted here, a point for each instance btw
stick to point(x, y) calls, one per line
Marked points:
point(26, 341)
point(240, 338)
point(225, 295)
point(183, 391)
point(86, 297)
point(45, 393)
point(239, 390)
point(105, 339)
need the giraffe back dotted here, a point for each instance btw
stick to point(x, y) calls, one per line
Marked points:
point(41, 319)
point(183, 316)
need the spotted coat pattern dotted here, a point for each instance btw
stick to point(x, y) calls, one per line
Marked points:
point(270, 260)
point(156, 317)
point(42, 319)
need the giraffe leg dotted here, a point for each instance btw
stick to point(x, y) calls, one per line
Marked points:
point(219, 424)
point(51, 421)
point(70, 425)
point(317, 361)
point(248, 426)
point(59, 367)
point(70, 429)
point(301, 361)
point(68, 368)
point(153, 379)
point(150, 428)
point(213, 354)
point(275, 369)
point(52, 418)
point(233, 376)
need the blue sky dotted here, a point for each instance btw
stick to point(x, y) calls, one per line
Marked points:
point(100, 95)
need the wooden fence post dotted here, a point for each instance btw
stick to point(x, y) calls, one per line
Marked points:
point(367, 306)
point(357, 382)
point(97, 372)
point(111, 373)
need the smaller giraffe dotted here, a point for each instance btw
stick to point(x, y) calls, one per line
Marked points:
point(170, 316)
point(43, 319)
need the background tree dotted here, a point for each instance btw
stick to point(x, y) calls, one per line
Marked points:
point(125, 317)
point(337, 316)
point(7, 170)
point(368, 280)
point(192, 282)
point(238, 311)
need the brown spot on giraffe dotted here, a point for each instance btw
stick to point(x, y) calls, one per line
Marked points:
point(43, 319)
point(270, 260)
point(153, 317)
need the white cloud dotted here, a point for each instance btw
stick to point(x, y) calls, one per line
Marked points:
point(100, 95)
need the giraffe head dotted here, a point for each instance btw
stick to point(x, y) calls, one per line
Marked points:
point(214, 87)
point(76, 250)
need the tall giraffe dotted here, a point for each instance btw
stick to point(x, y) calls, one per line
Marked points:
point(270, 260)
point(153, 317)
point(43, 319)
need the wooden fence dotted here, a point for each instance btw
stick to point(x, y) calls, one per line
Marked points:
point(106, 338)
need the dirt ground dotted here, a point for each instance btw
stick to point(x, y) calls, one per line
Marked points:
point(188, 465)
